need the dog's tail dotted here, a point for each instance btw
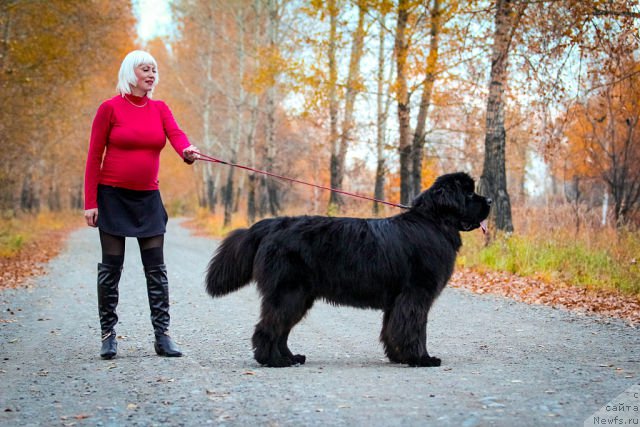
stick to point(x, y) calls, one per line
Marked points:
point(231, 267)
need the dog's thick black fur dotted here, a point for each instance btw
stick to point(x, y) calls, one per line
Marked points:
point(398, 264)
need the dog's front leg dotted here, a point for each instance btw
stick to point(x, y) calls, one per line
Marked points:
point(425, 359)
point(406, 328)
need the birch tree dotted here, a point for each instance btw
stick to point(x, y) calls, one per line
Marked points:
point(270, 198)
point(191, 57)
point(339, 150)
point(383, 103)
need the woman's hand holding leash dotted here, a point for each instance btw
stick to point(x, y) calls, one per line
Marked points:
point(191, 154)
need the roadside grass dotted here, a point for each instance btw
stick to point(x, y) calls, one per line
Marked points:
point(592, 257)
point(19, 233)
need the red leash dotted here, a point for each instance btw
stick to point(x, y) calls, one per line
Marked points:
point(206, 158)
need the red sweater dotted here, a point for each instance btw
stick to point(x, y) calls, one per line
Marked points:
point(133, 137)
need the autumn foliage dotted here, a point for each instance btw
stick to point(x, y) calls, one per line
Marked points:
point(57, 62)
point(603, 142)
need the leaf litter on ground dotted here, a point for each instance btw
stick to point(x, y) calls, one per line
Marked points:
point(536, 291)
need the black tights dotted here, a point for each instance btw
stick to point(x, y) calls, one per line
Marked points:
point(151, 249)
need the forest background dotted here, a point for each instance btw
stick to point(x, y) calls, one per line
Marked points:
point(539, 100)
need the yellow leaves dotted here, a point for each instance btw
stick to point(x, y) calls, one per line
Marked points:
point(429, 172)
point(322, 8)
point(383, 6)
point(271, 63)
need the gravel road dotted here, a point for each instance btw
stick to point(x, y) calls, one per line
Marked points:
point(503, 363)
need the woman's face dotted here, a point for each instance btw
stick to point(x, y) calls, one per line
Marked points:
point(146, 77)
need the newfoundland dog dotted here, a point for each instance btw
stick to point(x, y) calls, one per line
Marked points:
point(398, 264)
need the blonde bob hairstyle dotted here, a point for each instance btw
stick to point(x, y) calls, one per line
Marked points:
point(127, 75)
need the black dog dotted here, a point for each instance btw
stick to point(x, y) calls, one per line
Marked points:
point(398, 264)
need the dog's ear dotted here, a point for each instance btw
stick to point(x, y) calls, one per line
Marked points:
point(446, 198)
point(438, 197)
point(420, 200)
point(425, 201)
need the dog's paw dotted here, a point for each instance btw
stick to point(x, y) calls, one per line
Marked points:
point(298, 359)
point(426, 361)
point(280, 362)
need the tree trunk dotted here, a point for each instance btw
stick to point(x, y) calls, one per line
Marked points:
point(208, 139)
point(29, 198)
point(6, 30)
point(624, 168)
point(251, 190)
point(262, 197)
point(211, 196)
point(76, 201)
point(53, 198)
point(382, 110)
point(417, 146)
point(252, 209)
point(251, 137)
point(239, 191)
point(269, 185)
point(335, 200)
point(351, 92)
point(229, 199)
point(229, 192)
point(402, 95)
point(9, 180)
point(493, 182)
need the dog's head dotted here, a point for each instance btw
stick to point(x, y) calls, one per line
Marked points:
point(453, 197)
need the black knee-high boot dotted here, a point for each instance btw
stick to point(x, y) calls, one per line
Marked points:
point(158, 292)
point(108, 279)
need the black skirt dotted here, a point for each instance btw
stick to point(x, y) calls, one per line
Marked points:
point(131, 213)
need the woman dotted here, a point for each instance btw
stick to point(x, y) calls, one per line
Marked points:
point(122, 197)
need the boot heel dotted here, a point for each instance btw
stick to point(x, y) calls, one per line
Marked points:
point(109, 347)
point(165, 346)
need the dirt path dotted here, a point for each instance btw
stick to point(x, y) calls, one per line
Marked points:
point(504, 363)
